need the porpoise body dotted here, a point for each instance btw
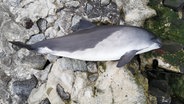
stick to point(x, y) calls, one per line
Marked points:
point(101, 43)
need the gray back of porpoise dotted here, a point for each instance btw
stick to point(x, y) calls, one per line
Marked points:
point(89, 38)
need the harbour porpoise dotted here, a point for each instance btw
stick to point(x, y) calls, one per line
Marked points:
point(99, 43)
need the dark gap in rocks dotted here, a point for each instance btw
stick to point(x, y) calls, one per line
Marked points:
point(164, 84)
point(45, 101)
point(46, 64)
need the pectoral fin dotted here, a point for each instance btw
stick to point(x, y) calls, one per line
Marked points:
point(126, 58)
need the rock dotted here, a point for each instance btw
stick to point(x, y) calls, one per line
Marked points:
point(93, 77)
point(135, 11)
point(75, 65)
point(42, 25)
point(162, 97)
point(4, 91)
point(34, 61)
point(23, 88)
point(34, 10)
point(105, 2)
point(114, 85)
point(92, 67)
point(4, 78)
point(13, 3)
point(63, 23)
point(37, 95)
point(36, 38)
point(176, 5)
point(28, 59)
point(106, 14)
point(72, 4)
point(64, 95)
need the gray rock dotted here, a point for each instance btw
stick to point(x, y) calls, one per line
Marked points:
point(92, 67)
point(42, 25)
point(23, 88)
point(135, 11)
point(4, 78)
point(34, 61)
point(64, 95)
point(72, 4)
point(108, 13)
point(162, 97)
point(71, 64)
point(105, 2)
point(36, 38)
point(174, 4)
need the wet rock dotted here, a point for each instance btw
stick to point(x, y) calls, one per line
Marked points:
point(64, 95)
point(42, 25)
point(23, 88)
point(174, 4)
point(162, 97)
point(13, 3)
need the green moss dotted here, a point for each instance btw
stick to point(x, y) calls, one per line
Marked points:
point(169, 27)
point(167, 24)
point(175, 58)
point(177, 85)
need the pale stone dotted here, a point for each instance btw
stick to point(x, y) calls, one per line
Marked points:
point(34, 9)
point(114, 85)
point(136, 11)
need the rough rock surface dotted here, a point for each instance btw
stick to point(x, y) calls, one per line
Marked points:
point(114, 85)
point(64, 80)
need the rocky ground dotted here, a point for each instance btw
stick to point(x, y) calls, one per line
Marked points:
point(28, 77)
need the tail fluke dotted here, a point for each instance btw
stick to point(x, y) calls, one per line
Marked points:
point(21, 45)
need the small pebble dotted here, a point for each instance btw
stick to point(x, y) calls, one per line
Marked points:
point(64, 95)
point(93, 77)
point(28, 23)
point(42, 24)
point(92, 67)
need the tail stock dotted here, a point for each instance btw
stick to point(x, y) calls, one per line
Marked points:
point(21, 45)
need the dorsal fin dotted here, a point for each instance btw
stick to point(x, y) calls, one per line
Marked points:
point(83, 24)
